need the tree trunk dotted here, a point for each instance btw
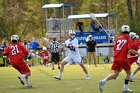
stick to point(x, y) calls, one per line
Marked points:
point(137, 16)
point(130, 13)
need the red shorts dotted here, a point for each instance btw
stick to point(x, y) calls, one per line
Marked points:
point(21, 66)
point(119, 64)
point(133, 59)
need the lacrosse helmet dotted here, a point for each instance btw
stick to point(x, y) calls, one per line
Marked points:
point(14, 38)
point(132, 35)
point(72, 34)
point(125, 28)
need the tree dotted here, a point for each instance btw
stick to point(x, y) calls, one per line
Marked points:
point(137, 16)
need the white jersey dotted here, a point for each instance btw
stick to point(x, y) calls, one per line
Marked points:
point(73, 54)
point(74, 43)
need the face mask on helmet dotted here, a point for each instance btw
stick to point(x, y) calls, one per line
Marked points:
point(72, 34)
point(132, 35)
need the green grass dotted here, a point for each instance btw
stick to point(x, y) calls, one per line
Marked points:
point(73, 80)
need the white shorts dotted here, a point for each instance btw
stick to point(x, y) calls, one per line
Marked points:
point(73, 59)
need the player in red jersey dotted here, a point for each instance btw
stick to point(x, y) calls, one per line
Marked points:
point(135, 58)
point(123, 46)
point(44, 55)
point(16, 53)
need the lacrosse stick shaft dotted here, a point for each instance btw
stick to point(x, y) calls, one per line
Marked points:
point(94, 18)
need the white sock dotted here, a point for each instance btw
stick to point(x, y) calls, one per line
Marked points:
point(87, 75)
point(60, 74)
point(104, 80)
point(125, 85)
point(132, 74)
point(23, 76)
point(27, 82)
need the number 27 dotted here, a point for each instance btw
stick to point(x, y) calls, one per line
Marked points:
point(120, 44)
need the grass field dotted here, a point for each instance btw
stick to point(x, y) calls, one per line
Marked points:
point(73, 80)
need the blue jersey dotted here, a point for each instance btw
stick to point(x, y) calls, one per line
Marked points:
point(34, 45)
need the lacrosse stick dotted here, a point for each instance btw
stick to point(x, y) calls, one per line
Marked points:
point(92, 15)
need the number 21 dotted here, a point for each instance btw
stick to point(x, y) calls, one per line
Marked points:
point(14, 50)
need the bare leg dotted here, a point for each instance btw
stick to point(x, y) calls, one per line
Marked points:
point(94, 59)
point(133, 73)
point(85, 70)
point(61, 70)
point(89, 58)
point(53, 65)
point(109, 77)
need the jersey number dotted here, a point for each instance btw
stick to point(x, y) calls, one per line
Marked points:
point(14, 50)
point(120, 44)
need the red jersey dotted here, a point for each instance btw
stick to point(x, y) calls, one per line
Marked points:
point(122, 45)
point(15, 51)
point(44, 54)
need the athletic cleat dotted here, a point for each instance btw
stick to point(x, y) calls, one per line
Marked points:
point(29, 86)
point(57, 77)
point(88, 78)
point(21, 80)
point(125, 89)
point(101, 85)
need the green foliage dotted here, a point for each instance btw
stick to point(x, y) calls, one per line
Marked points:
point(25, 17)
point(73, 80)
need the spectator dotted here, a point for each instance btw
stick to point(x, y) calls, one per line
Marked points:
point(5, 60)
point(80, 26)
point(91, 44)
point(54, 24)
point(101, 28)
point(54, 48)
point(93, 25)
point(33, 45)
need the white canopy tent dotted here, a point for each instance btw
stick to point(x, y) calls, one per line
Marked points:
point(103, 15)
point(100, 15)
point(47, 6)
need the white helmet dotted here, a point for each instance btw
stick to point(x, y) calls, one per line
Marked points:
point(44, 48)
point(132, 35)
point(125, 28)
point(14, 37)
point(72, 34)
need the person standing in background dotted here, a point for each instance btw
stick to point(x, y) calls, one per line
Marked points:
point(91, 44)
point(54, 49)
point(80, 26)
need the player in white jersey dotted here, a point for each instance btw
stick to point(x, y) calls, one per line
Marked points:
point(73, 55)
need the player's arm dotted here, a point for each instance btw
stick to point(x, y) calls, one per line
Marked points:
point(133, 52)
